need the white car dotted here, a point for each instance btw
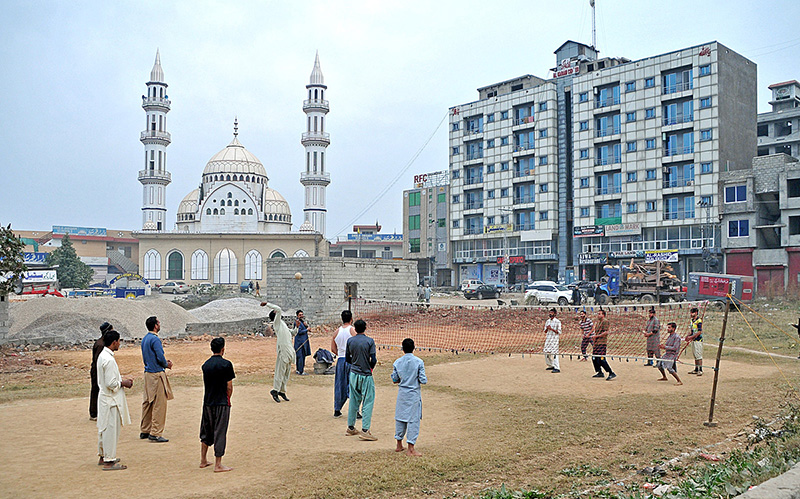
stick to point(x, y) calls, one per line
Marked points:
point(471, 284)
point(549, 292)
point(174, 287)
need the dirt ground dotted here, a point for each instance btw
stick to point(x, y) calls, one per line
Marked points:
point(487, 420)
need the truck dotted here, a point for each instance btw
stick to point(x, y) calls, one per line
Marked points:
point(38, 282)
point(647, 283)
point(715, 287)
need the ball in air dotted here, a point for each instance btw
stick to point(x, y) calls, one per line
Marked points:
point(298, 276)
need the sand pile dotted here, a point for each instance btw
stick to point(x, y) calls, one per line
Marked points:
point(228, 310)
point(77, 319)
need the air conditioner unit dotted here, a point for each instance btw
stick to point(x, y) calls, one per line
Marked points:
point(690, 182)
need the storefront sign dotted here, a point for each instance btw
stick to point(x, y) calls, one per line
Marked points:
point(35, 258)
point(375, 237)
point(79, 231)
point(592, 258)
point(623, 230)
point(627, 254)
point(513, 260)
point(652, 256)
point(567, 67)
point(588, 231)
point(39, 276)
point(489, 229)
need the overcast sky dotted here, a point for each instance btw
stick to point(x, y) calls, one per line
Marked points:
point(73, 73)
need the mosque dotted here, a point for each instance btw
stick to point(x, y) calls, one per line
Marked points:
point(229, 225)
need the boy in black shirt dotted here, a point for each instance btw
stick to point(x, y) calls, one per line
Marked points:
point(218, 380)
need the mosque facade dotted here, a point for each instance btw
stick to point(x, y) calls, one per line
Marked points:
point(229, 225)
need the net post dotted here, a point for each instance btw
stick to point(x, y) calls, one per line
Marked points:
point(710, 422)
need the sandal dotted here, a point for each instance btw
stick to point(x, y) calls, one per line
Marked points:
point(116, 466)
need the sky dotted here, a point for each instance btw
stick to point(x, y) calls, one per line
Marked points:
point(73, 74)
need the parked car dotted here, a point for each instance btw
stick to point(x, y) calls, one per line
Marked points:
point(244, 286)
point(482, 291)
point(550, 292)
point(470, 284)
point(174, 287)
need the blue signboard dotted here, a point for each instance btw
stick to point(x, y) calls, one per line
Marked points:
point(375, 237)
point(35, 258)
point(79, 231)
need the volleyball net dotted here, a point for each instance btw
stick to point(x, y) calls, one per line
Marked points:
point(516, 329)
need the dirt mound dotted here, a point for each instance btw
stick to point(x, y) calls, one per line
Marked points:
point(230, 309)
point(77, 319)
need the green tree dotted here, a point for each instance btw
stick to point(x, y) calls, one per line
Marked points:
point(72, 272)
point(12, 259)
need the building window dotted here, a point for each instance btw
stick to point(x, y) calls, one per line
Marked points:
point(632, 207)
point(414, 198)
point(456, 224)
point(584, 182)
point(650, 206)
point(413, 222)
point(441, 198)
point(456, 198)
point(706, 201)
point(630, 116)
point(630, 86)
point(738, 228)
point(705, 167)
point(612, 209)
point(456, 173)
point(679, 207)
point(490, 118)
point(474, 150)
point(543, 187)
point(175, 265)
point(650, 144)
point(583, 125)
point(489, 220)
point(199, 265)
point(473, 125)
point(455, 127)
point(490, 168)
point(630, 147)
point(504, 141)
point(490, 143)
point(503, 219)
point(649, 82)
point(677, 81)
point(650, 112)
point(705, 70)
point(705, 102)
point(504, 192)
point(736, 194)
point(584, 153)
point(543, 106)
point(542, 215)
point(504, 166)
point(650, 174)
point(542, 160)
point(490, 194)
point(504, 115)
point(583, 97)
point(705, 134)
point(608, 183)
point(456, 150)
point(542, 133)
point(584, 212)
point(413, 245)
point(252, 265)
point(631, 177)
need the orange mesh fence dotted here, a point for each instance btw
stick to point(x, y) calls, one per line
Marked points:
point(514, 329)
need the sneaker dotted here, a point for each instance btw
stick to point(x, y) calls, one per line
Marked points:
point(350, 432)
point(611, 376)
point(699, 373)
point(144, 435)
point(366, 435)
point(598, 375)
point(337, 414)
point(556, 370)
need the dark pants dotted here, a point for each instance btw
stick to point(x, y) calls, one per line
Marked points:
point(214, 427)
point(599, 359)
point(585, 342)
point(93, 396)
point(302, 350)
point(341, 384)
point(301, 363)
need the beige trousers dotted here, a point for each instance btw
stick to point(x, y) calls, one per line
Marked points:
point(154, 403)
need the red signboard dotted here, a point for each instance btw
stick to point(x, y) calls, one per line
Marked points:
point(512, 260)
point(714, 286)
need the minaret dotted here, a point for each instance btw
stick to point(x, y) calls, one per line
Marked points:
point(315, 140)
point(155, 177)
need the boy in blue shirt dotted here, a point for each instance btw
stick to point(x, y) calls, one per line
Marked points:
point(409, 373)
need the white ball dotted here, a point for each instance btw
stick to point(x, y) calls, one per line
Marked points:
point(298, 276)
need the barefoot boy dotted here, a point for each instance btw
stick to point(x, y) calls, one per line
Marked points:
point(218, 380)
point(409, 373)
point(671, 348)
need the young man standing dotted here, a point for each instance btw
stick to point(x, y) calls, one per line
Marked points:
point(599, 345)
point(286, 356)
point(409, 373)
point(112, 406)
point(586, 325)
point(552, 329)
point(97, 348)
point(695, 338)
point(156, 384)
point(218, 380)
point(361, 357)
point(302, 349)
point(652, 333)
point(341, 380)
point(671, 348)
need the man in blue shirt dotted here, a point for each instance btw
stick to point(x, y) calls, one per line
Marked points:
point(360, 354)
point(302, 348)
point(156, 385)
point(409, 373)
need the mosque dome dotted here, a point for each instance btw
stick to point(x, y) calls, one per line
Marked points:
point(189, 204)
point(277, 206)
point(234, 159)
point(306, 227)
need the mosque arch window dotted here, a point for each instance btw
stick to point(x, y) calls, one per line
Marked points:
point(247, 178)
point(230, 195)
point(315, 123)
point(152, 264)
point(216, 178)
point(222, 211)
point(216, 212)
point(322, 162)
point(270, 218)
point(316, 93)
point(175, 265)
point(236, 202)
point(230, 203)
point(278, 254)
point(208, 211)
point(236, 211)
point(250, 211)
point(225, 267)
point(252, 265)
point(301, 254)
point(200, 265)
point(227, 177)
point(322, 123)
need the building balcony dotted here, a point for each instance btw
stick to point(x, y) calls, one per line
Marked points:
point(524, 199)
point(316, 105)
point(678, 214)
point(527, 120)
point(681, 118)
point(156, 135)
point(473, 230)
point(524, 172)
point(678, 182)
point(607, 131)
point(315, 178)
point(155, 175)
point(676, 151)
point(323, 137)
point(471, 132)
point(611, 101)
point(611, 189)
point(474, 156)
point(473, 180)
point(156, 102)
point(608, 161)
point(525, 226)
point(474, 205)
point(677, 87)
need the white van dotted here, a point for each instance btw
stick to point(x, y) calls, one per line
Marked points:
point(470, 284)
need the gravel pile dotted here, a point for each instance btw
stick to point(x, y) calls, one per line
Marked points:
point(77, 319)
point(231, 309)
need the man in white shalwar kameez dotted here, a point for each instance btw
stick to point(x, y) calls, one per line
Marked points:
point(552, 328)
point(112, 406)
point(286, 354)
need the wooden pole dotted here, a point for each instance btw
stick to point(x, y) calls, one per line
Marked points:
point(710, 421)
point(658, 281)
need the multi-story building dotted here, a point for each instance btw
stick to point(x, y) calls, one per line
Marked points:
point(609, 159)
point(779, 129)
point(426, 220)
point(761, 223)
point(366, 241)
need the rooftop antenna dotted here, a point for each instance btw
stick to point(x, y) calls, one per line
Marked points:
point(594, 32)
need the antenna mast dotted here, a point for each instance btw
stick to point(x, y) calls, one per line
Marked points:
point(594, 32)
